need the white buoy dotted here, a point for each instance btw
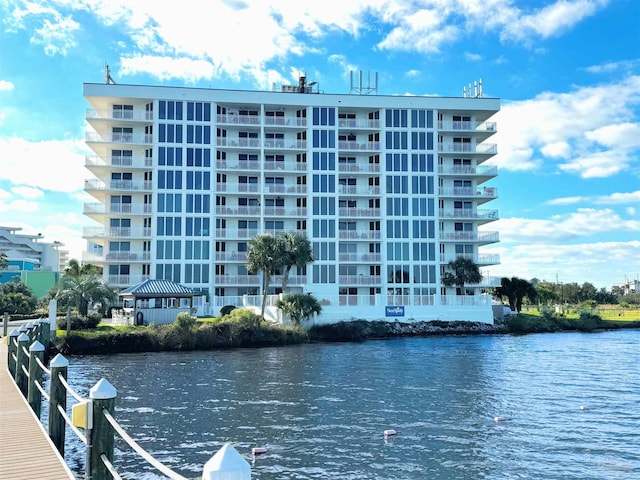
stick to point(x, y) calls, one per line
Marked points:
point(388, 433)
point(258, 450)
point(499, 419)
point(582, 407)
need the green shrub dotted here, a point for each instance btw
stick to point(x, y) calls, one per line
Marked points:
point(79, 323)
point(184, 322)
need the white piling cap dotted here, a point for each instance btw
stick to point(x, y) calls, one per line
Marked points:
point(30, 325)
point(102, 390)
point(36, 347)
point(23, 337)
point(14, 333)
point(58, 361)
point(227, 464)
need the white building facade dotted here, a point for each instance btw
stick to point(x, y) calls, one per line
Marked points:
point(387, 189)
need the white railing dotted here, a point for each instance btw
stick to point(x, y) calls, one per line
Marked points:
point(358, 123)
point(134, 115)
point(128, 208)
point(139, 256)
point(484, 171)
point(354, 235)
point(468, 213)
point(482, 148)
point(484, 237)
point(355, 190)
point(118, 185)
point(374, 146)
point(486, 192)
point(139, 138)
point(359, 212)
point(359, 167)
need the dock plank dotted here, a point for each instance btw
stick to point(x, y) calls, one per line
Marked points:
point(27, 453)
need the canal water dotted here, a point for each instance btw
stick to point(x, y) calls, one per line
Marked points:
point(548, 406)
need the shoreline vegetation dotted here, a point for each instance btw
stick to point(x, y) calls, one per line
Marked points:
point(249, 332)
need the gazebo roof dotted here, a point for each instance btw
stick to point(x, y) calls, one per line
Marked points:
point(157, 289)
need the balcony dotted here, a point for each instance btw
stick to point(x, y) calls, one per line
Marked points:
point(475, 237)
point(231, 257)
point(117, 161)
point(233, 119)
point(478, 259)
point(122, 232)
point(359, 279)
point(466, 126)
point(359, 212)
point(240, 211)
point(481, 148)
point(131, 115)
point(364, 123)
point(285, 166)
point(355, 190)
point(138, 256)
point(469, 171)
point(243, 280)
point(354, 235)
point(117, 208)
point(359, 167)
point(360, 257)
point(285, 121)
point(468, 214)
point(370, 146)
point(123, 138)
point(125, 280)
point(468, 192)
point(127, 185)
point(238, 142)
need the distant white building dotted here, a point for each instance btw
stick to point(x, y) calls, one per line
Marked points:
point(630, 286)
point(388, 189)
point(36, 262)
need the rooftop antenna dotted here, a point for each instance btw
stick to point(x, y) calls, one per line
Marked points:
point(475, 92)
point(107, 75)
point(361, 89)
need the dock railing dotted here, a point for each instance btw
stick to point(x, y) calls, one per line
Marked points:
point(92, 419)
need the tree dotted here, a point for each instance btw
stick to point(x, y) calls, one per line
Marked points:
point(4, 261)
point(461, 271)
point(81, 285)
point(264, 255)
point(515, 289)
point(296, 251)
point(546, 292)
point(16, 298)
point(299, 307)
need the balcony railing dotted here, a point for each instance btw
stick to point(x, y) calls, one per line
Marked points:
point(127, 138)
point(360, 257)
point(478, 259)
point(486, 192)
point(468, 213)
point(359, 212)
point(121, 232)
point(483, 237)
point(359, 279)
point(358, 123)
point(252, 211)
point(117, 161)
point(467, 125)
point(126, 280)
point(354, 235)
point(483, 171)
point(237, 280)
point(231, 257)
point(129, 185)
point(355, 190)
point(233, 119)
point(359, 167)
point(481, 148)
point(139, 256)
point(117, 208)
point(134, 115)
point(372, 146)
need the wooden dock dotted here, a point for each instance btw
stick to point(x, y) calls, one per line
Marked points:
point(26, 452)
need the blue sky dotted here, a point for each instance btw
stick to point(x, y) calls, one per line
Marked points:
point(567, 71)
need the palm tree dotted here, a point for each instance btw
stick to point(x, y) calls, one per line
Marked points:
point(515, 289)
point(461, 271)
point(4, 261)
point(299, 307)
point(81, 285)
point(264, 255)
point(296, 250)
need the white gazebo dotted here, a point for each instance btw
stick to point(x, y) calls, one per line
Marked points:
point(153, 301)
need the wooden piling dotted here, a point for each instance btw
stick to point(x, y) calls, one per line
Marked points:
point(22, 360)
point(100, 438)
point(34, 396)
point(57, 396)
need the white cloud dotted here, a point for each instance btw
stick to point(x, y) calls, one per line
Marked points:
point(610, 67)
point(20, 206)
point(6, 85)
point(46, 165)
point(27, 192)
point(585, 222)
point(551, 20)
point(413, 73)
point(600, 263)
point(473, 57)
point(619, 198)
point(164, 68)
point(566, 201)
point(591, 129)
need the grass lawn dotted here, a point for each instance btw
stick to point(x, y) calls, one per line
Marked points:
point(609, 313)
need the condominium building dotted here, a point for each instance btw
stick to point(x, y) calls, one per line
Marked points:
point(388, 190)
